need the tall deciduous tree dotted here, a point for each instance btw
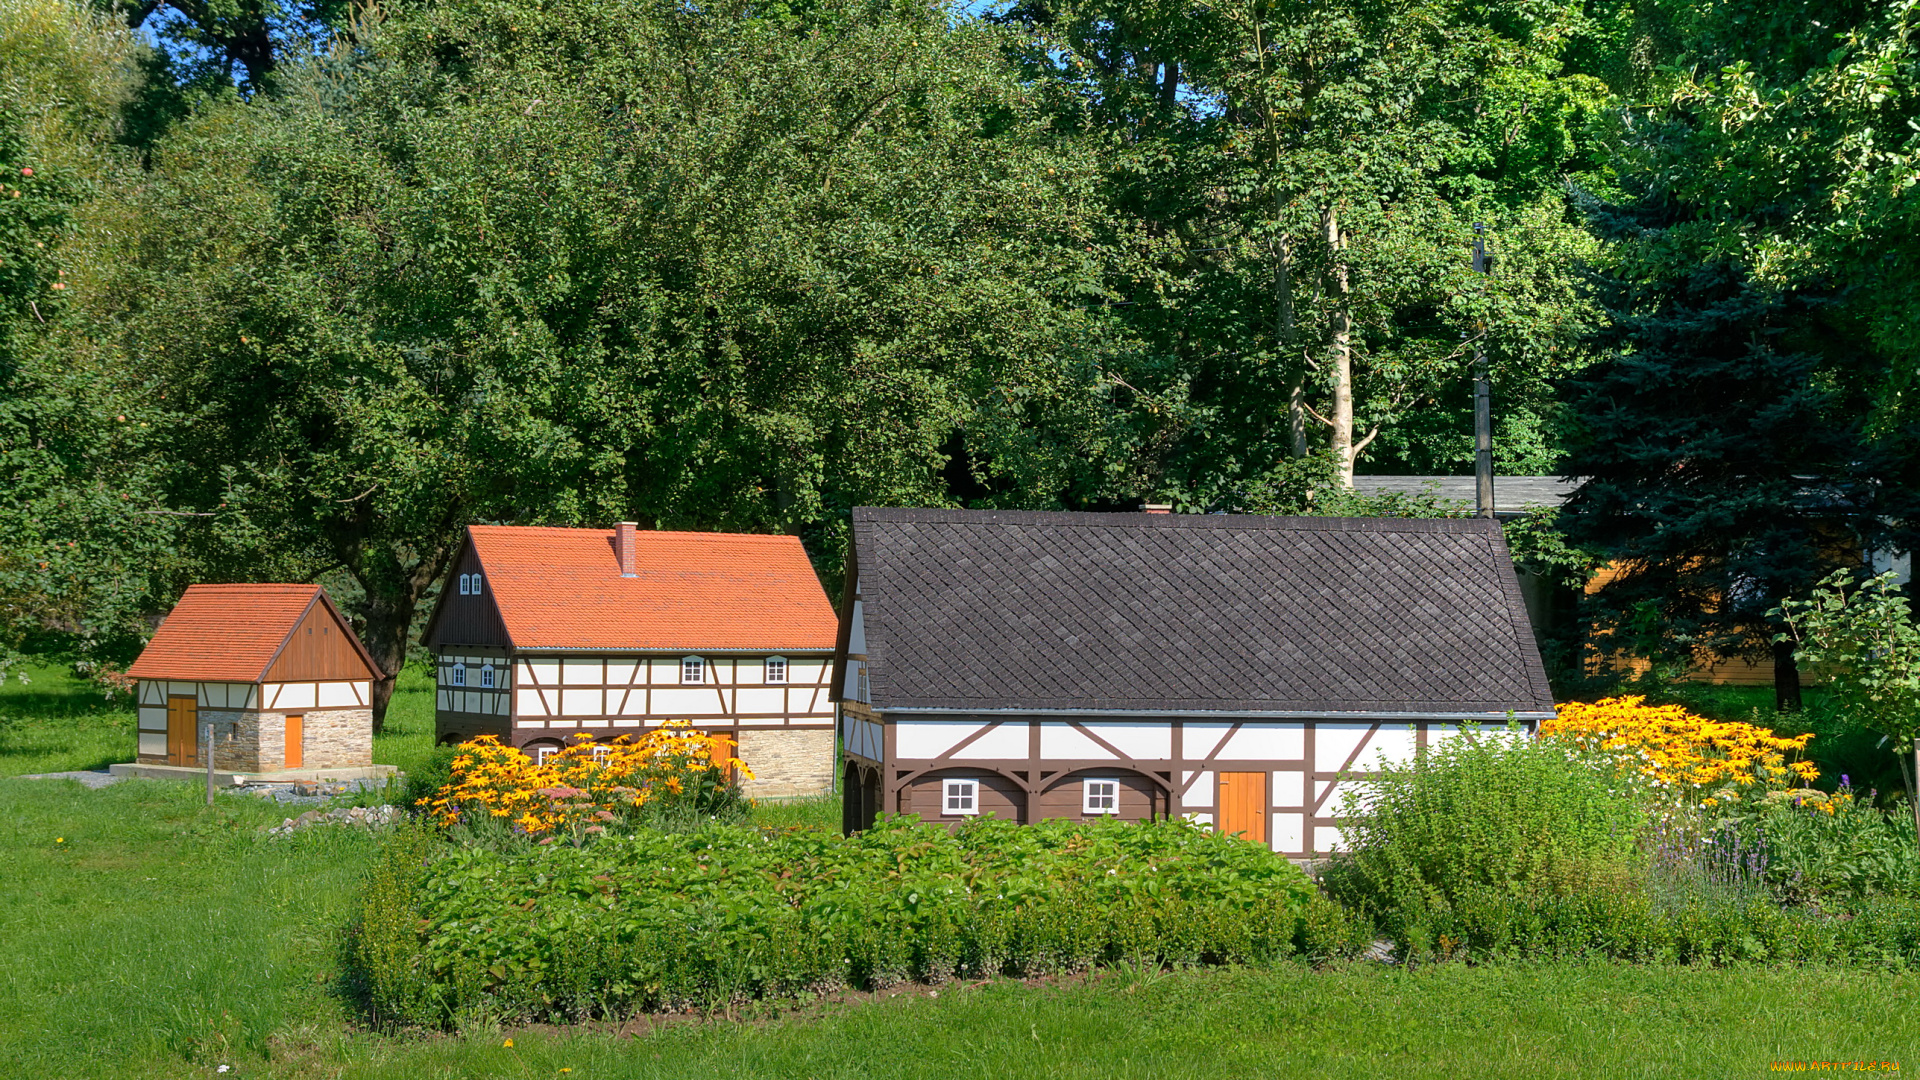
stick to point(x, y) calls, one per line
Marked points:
point(573, 262)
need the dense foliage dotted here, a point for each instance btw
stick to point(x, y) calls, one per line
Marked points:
point(655, 920)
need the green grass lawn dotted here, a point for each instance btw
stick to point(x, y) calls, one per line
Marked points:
point(151, 936)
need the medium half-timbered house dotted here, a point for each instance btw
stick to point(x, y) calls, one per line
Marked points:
point(1234, 669)
point(274, 668)
point(543, 635)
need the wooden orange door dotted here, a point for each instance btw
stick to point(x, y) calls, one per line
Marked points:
point(183, 731)
point(1243, 805)
point(296, 729)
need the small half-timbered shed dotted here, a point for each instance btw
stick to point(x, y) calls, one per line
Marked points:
point(544, 634)
point(1229, 668)
point(275, 668)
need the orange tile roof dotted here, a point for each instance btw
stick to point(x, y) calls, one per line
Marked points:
point(562, 589)
point(224, 633)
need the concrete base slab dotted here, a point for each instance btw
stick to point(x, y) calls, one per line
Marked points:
point(222, 778)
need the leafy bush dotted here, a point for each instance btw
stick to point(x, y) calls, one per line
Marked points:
point(1499, 812)
point(1839, 846)
point(432, 775)
point(383, 953)
point(666, 921)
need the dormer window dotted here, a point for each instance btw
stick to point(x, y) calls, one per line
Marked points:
point(776, 669)
point(693, 670)
point(457, 675)
point(486, 676)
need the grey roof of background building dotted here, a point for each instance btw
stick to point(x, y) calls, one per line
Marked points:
point(1019, 610)
point(1512, 495)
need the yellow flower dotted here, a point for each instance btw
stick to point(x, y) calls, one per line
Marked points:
point(508, 1045)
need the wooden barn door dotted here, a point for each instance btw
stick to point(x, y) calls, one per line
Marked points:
point(1243, 805)
point(183, 731)
point(296, 730)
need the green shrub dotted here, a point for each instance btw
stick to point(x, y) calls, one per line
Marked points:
point(728, 914)
point(383, 946)
point(1491, 812)
point(1841, 847)
point(426, 779)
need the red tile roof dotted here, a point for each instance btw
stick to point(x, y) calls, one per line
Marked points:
point(225, 633)
point(693, 591)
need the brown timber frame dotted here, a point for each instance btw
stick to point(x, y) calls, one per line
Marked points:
point(1172, 777)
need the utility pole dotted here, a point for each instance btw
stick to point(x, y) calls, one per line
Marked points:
point(1482, 397)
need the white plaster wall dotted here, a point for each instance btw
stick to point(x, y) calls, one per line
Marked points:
point(528, 702)
point(857, 633)
point(1144, 740)
point(542, 672)
point(290, 696)
point(1060, 740)
point(581, 702)
point(575, 671)
point(341, 695)
point(153, 745)
point(762, 699)
point(1200, 792)
point(685, 701)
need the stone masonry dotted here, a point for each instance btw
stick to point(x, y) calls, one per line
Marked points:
point(798, 761)
point(249, 741)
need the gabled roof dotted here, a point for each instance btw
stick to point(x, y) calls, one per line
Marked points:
point(692, 591)
point(233, 633)
point(1015, 610)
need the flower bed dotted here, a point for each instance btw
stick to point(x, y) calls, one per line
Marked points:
point(669, 921)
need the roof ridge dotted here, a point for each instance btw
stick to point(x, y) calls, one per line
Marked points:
point(1122, 519)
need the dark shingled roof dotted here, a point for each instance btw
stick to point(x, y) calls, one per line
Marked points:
point(971, 609)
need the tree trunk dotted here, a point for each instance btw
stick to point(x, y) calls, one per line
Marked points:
point(1283, 341)
point(389, 619)
point(1341, 356)
point(1786, 678)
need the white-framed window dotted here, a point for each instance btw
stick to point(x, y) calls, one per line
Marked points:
point(486, 676)
point(476, 584)
point(863, 693)
point(960, 797)
point(1100, 796)
point(457, 675)
point(466, 584)
point(693, 670)
point(600, 753)
point(543, 752)
point(776, 669)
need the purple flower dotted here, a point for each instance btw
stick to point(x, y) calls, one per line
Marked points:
point(1845, 781)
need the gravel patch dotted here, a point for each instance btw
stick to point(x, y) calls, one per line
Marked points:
point(93, 778)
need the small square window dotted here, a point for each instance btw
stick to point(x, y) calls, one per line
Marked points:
point(466, 584)
point(599, 753)
point(776, 669)
point(542, 753)
point(961, 797)
point(486, 676)
point(1100, 796)
point(693, 670)
point(457, 675)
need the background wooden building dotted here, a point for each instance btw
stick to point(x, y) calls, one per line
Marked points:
point(275, 668)
point(1231, 668)
point(542, 634)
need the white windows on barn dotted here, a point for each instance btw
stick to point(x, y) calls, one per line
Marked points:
point(476, 584)
point(486, 676)
point(457, 675)
point(776, 669)
point(960, 797)
point(466, 584)
point(1100, 796)
point(693, 670)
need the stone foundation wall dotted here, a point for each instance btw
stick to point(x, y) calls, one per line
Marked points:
point(338, 738)
point(249, 741)
point(798, 761)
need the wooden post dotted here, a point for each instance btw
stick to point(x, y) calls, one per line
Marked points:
point(209, 742)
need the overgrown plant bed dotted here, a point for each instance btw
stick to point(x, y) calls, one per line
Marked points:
point(665, 921)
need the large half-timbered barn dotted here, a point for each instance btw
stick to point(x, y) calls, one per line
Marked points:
point(1229, 668)
point(542, 635)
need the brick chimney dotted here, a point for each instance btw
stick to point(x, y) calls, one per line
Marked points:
point(1157, 508)
point(623, 548)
